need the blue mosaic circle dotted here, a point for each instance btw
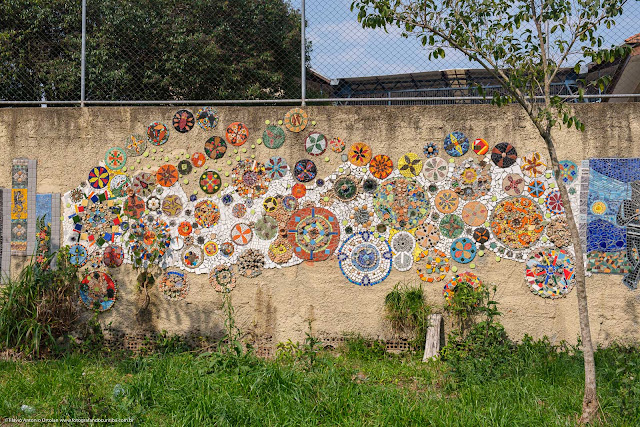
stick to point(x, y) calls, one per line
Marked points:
point(463, 250)
point(456, 144)
point(364, 259)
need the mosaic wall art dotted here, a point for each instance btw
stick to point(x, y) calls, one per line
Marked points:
point(23, 207)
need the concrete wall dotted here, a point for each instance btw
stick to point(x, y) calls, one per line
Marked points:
point(67, 142)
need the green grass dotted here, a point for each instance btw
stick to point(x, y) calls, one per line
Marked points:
point(357, 387)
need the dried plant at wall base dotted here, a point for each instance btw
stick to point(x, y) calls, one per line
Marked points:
point(523, 44)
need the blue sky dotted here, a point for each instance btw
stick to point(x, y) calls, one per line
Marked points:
point(342, 48)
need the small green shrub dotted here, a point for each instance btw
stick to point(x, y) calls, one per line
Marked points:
point(358, 347)
point(408, 312)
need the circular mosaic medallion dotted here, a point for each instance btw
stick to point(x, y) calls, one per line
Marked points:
point(481, 235)
point(456, 144)
point(410, 165)
point(472, 180)
point(465, 278)
point(115, 158)
point(381, 166)
point(451, 226)
point(210, 182)
point(206, 213)
point(198, 159)
point(598, 207)
point(533, 165)
point(435, 169)
point(558, 232)
point(403, 241)
point(337, 145)
point(280, 251)
point(237, 133)
point(157, 133)
point(568, 171)
point(215, 147)
point(192, 256)
point(400, 203)
point(113, 256)
point(370, 185)
point(290, 203)
point(446, 201)
point(431, 150)
point(78, 255)
point(173, 285)
point(119, 185)
point(250, 178)
point(463, 250)
point(553, 202)
point(210, 248)
point(517, 222)
point(315, 144)
point(270, 204)
point(184, 167)
point(239, 210)
point(536, 188)
point(98, 291)
point(207, 118)
point(365, 260)
point(172, 205)
point(273, 137)
point(185, 228)
point(250, 263)
point(403, 261)
point(345, 188)
point(135, 145)
point(504, 155)
point(227, 249)
point(167, 175)
point(98, 177)
point(474, 213)
point(298, 191)
point(427, 235)
point(437, 265)
point(133, 207)
point(241, 234)
point(143, 184)
point(480, 147)
point(296, 119)
point(359, 154)
point(222, 278)
point(305, 170)
point(266, 228)
point(276, 168)
point(183, 121)
point(550, 272)
point(513, 184)
point(314, 233)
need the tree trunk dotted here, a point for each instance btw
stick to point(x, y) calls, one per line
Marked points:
point(590, 402)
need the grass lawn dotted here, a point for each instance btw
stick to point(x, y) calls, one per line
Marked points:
point(349, 387)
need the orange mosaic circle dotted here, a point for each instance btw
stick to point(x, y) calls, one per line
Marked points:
point(298, 191)
point(381, 166)
point(167, 175)
point(447, 201)
point(474, 213)
point(198, 159)
point(237, 133)
point(360, 154)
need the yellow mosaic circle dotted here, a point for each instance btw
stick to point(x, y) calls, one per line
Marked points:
point(410, 165)
point(599, 208)
point(296, 120)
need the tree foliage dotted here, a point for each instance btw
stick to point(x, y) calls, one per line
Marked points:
point(150, 49)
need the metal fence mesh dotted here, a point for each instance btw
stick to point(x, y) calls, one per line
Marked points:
point(170, 50)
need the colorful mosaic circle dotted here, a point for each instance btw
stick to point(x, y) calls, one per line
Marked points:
point(599, 207)
point(192, 256)
point(185, 228)
point(517, 222)
point(403, 241)
point(206, 213)
point(410, 165)
point(143, 184)
point(173, 285)
point(78, 255)
point(98, 177)
point(365, 260)
point(207, 118)
point(536, 188)
point(553, 202)
point(446, 201)
point(480, 146)
point(314, 233)
point(280, 250)
point(337, 145)
point(481, 235)
point(250, 178)
point(305, 170)
point(400, 203)
point(474, 213)
point(167, 175)
point(513, 184)
point(227, 249)
point(119, 185)
point(568, 171)
point(298, 191)
point(533, 165)
point(276, 168)
point(115, 158)
point(296, 119)
point(172, 205)
point(435, 169)
point(451, 226)
point(456, 144)
point(381, 166)
point(273, 137)
point(222, 278)
point(427, 235)
point(465, 278)
point(215, 147)
point(113, 256)
point(266, 228)
point(359, 154)
point(504, 155)
point(463, 250)
point(436, 267)
point(472, 180)
point(315, 144)
point(135, 145)
point(98, 291)
point(198, 159)
point(210, 182)
point(237, 133)
point(430, 150)
point(270, 204)
point(184, 167)
point(239, 210)
point(550, 273)
point(210, 248)
point(157, 133)
point(183, 121)
point(134, 207)
point(345, 188)
point(241, 234)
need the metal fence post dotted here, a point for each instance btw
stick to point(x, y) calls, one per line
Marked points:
point(83, 52)
point(303, 57)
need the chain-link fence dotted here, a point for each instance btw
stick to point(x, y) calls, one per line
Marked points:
point(161, 51)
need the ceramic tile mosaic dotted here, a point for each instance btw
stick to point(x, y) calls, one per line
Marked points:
point(23, 206)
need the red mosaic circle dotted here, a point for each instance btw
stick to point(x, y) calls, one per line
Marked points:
point(237, 133)
point(314, 233)
point(198, 159)
point(167, 175)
